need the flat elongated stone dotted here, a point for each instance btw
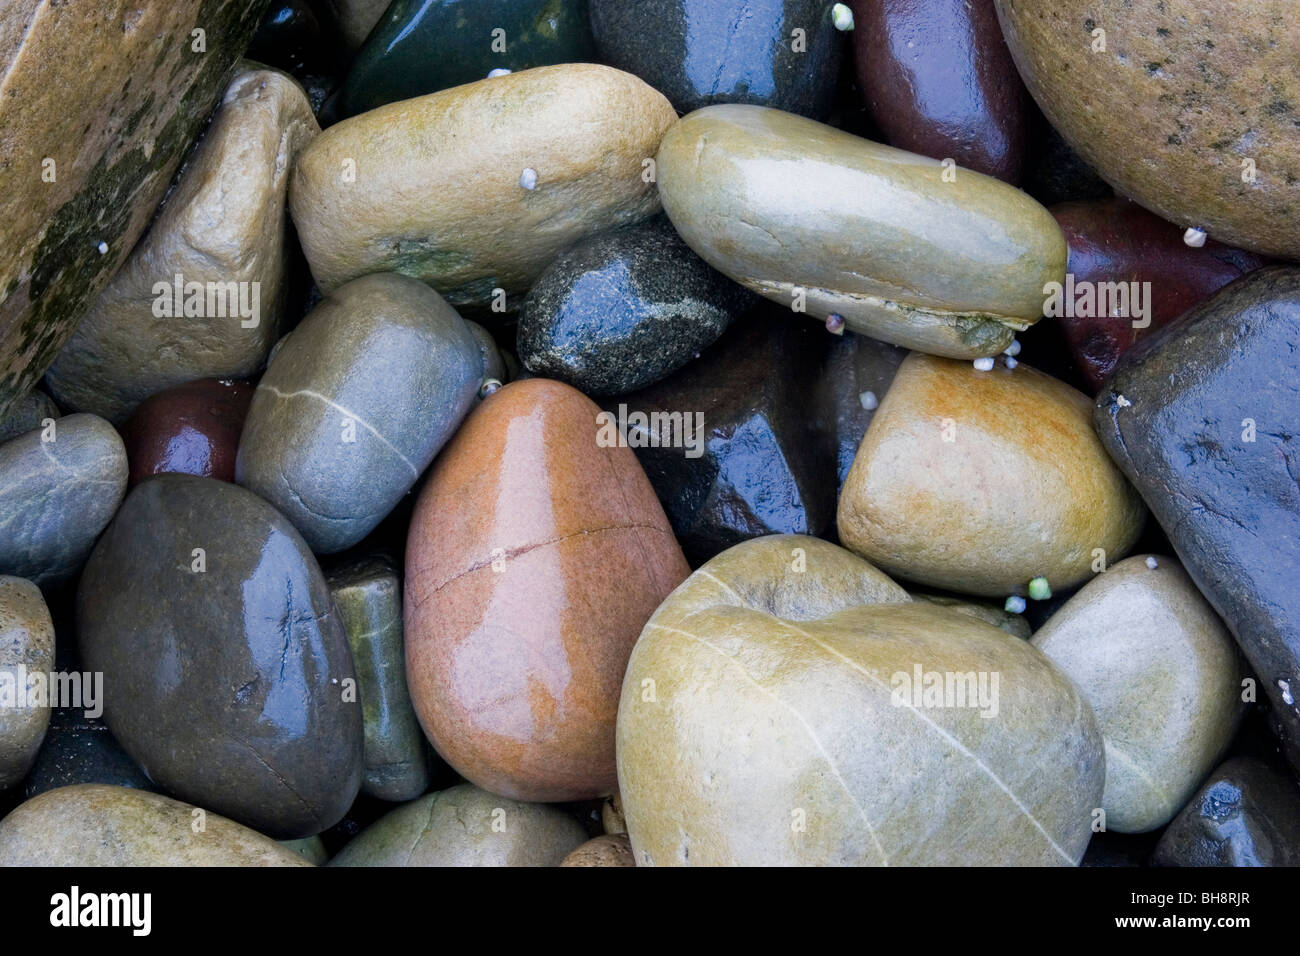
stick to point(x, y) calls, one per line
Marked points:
point(534, 557)
point(978, 482)
point(245, 710)
point(420, 47)
point(780, 53)
point(222, 232)
point(624, 309)
point(56, 496)
point(1163, 677)
point(1202, 417)
point(828, 223)
point(770, 716)
point(101, 102)
point(465, 826)
point(358, 400)
point(481, 186)
point(1246, 814)
point(192, 428)
point(97, 825)
point(26, 648)
point(368, 594)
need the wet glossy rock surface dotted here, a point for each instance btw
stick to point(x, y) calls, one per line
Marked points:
point(223, 223)
point(241, 709)
point(421, 47)
point(534, 558)
point(813, 217)
point(1181, 96)
point(438, 189)
point(1246, 814)
point(701, 52)
point(939, 81)
point(1117, 241)
point(358, 400)
point(1164, 680)
point(978, 482)
point(466, 826)
point(192, 428)
point(368, 594)
point(96, 825)
point(758, 465)
point(624, 309)
point(750, 748)
point(56, 496)
point(26, 648)
point(1194, 394)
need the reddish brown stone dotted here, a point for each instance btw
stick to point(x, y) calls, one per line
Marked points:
point(939, 81)
point(534, 559)
point(192, 428)
point(1114, 240)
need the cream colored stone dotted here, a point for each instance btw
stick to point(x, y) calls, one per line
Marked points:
point(26, 648)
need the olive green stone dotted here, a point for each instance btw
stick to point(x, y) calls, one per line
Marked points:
point(99, 825)
point(101, 101)
point(945, 261)
point(466, 826)
point(368, 594)
point(1003, 620)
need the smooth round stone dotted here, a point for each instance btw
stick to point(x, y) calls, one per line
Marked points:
point(358, 400)
point(368, 594)
point(26, 648)
point(80, 749)
point(1117, 241)
point(768, 718)
point(1013, 624)
point(824, 222)
point(607, 850)
point(436, 187)
point(855, 375)
point(534, 557)
point(494, 365)
point(939, 81)
point(244, 711)
point(291, 38)
point(27, 413)
point(779, 53)
point(465, 826)
point(311, 849)
point(192, 429)
point(116, 109)
point(1246, 814)
point(752, 464)
point(97, 825)
point(1206, 430)
point(1163, 677)
point(625, 309)
point(423, 46)
point(978, 482)
point(222, 232)
point(1201, 89)
point(56, 496)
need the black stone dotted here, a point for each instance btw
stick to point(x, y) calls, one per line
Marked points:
point(80, 749)
point(765, 467)
point(1246, 814)
point(700, 52)
point(1195, 393)
point(625, 308)
point(226, 684)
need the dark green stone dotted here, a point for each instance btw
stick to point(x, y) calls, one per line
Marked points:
point(422, 46)
point(624, 309)
point(701, 52)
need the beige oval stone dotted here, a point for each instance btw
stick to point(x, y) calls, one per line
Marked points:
point(1163, 677)
point(979, 482)
point(795, 209)
point(434, 187)
point(223, 227)
point(607, 850)
point(747, 737)
point(611, 815)
point(98, 825)
point(466, 826)
point(26, 648)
